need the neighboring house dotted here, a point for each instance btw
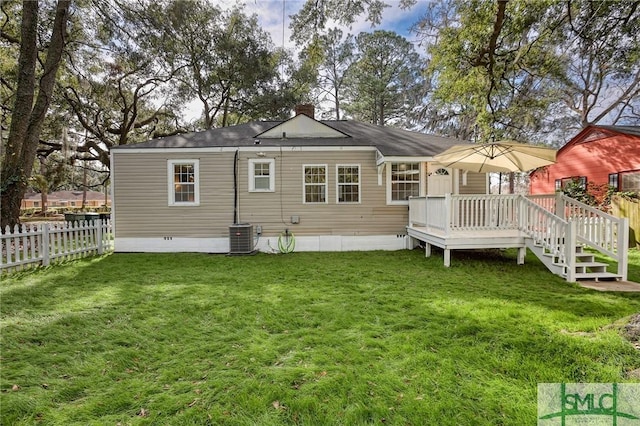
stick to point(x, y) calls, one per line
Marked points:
point(599, 155)
point(69, 199)
point(334, 185)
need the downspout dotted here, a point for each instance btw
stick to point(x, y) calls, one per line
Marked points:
point(235, 187)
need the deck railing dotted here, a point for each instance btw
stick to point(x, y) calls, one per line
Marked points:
point(554, 234)
point(546, 201)
point(537, 216)
point(606, 233)
point(430, 212)
point(40, 244)
point(484, 212)
point(464, 212)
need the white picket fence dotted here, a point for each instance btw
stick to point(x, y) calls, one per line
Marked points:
point(41, 244)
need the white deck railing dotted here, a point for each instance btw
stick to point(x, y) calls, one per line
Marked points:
point(484, 212)
point(606, 233)
point(40, 244)
point(546, 201)
point(537, 216)
point(554, 234)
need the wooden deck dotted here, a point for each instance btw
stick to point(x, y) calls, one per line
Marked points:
point(554, 227)
point(468, 240)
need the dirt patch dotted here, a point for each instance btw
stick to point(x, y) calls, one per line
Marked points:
point(632, 330)
point(634, 374)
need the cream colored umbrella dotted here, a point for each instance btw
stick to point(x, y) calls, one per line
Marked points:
point(503, 156)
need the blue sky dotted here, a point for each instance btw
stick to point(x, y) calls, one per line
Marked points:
point(270, 14)
point(271, 18)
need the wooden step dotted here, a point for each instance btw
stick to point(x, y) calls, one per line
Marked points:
point(585, 257)
point(598, 276)
point(591, 266)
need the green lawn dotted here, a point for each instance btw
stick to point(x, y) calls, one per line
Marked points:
point(306, 338)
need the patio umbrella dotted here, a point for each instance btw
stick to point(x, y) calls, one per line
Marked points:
point(502, 156)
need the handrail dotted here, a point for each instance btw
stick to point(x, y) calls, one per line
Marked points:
point(548, 230)
point(606, 233)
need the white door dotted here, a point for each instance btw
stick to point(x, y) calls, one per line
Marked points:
point(439, 181)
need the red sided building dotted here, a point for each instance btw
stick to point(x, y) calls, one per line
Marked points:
point(599, 155)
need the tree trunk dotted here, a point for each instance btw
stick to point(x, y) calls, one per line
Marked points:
point(44, 190)
point(27, 118)
point(84, 187)
point(337, 103)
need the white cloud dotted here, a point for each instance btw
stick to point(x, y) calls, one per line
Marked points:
point(274, 17)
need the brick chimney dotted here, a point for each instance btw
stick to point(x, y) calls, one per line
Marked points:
point(306, 109)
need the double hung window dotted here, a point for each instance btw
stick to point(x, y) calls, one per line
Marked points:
point(315, 183)
point(348, 180)
point(261, 175)
point(405, 181)
point(184, 185)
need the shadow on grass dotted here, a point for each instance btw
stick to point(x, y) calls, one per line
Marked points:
point(495, 274)
point(114, 279)
point(180, 334)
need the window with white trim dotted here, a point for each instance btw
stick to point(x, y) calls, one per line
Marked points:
point(348, 182)
point(184, 182)
point(405, 181)
point(315, 183)
point(262, 175)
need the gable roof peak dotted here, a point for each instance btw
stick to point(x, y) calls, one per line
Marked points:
point(301, 127)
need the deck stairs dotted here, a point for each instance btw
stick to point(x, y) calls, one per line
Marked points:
point(585, 266)
point(560, 241)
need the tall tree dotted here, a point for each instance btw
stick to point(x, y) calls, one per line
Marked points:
point(338, 53)
point(601, 55)
point(520, 69)
point(383, 79)
point(491, 68)
point(226, 61)
point(314, 15)
point(114, 85)
point(28, 116)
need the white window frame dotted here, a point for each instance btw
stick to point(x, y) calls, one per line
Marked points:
point(358, 184)
point(389, 169)
point(252, 175)
point(326, 184)
point(171, 184)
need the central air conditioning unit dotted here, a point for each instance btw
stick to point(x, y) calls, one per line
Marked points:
point(241, 238)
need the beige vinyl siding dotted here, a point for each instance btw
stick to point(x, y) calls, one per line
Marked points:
point(273, 211)
point(476, 183)
point(142, 202)
point(142, 210)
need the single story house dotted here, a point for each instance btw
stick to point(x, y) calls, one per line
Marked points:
point(66, 199)
point(327, 185)
point(599, 155)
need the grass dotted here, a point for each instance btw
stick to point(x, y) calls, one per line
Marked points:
point(333, 338)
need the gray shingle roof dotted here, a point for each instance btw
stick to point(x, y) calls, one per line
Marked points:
point(629, 130)
point(389, 141)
